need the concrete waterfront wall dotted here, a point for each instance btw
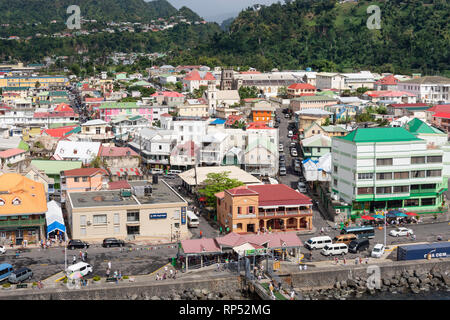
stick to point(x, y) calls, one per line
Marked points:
point(326, 278)
point(125, 291)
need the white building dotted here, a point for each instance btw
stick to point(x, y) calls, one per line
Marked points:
point(77, 151)
point(344, 81)
point(429, 89)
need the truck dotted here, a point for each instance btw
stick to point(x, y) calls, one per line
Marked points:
point(424, 251)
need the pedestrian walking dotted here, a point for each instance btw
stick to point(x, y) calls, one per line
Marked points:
point(201, 234)
point(108, 271)
point(85, 255)
point(74, 259)
point(321, 230)
point(271, 287)
point(120, 275)
point(345, 261)
point(175, 274)
point(171, 273)
point(367, 260)
point(109, 265)
point(360, 260)
point(305, 267)
point(336, 260)
point(157, 277)
point(356, 260)
point(81, 255)
point(164, 276)
point(292, 295)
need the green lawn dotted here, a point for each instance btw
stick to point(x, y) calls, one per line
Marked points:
point(278, 295)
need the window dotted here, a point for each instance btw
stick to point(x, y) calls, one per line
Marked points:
point(401, 175)
point(82, 231)
point(85, 179)
point(116, 218)
point(429, 202)
point(412, 203)
point(418, 174)
point(384, 190)
point(82, 220)
point(428, 186)
point(97, 130)
point(384, 162)
point(133, 216)
point(116, 229)
point(365, 176)
point(251, 210)
point(239, 210)
point(239, 226)
point(417, 160)
point(335, 169)
point(434, 159)
point(401, 189)
point(434, 173)
point(384, 176)
point(335, 182)
point(100, 219)
point(76, 179)
point(365, 190)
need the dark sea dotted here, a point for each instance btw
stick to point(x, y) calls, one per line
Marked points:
point(434, 295)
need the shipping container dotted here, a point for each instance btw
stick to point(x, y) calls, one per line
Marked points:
point(421, 251)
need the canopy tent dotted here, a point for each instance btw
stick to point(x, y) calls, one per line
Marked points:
point(54, 218)
point(367, 218)
point(411, 214)
point(401, 214)
point(378, 216)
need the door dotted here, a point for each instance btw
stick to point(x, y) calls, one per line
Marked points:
point(19, 237)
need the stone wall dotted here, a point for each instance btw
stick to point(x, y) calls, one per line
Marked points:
point(228, 286)
point(327, 278)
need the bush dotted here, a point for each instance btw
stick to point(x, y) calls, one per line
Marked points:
point(96, 278)
point(65, 280)
point(6, 285)
point(125, 277)
point(34, 284)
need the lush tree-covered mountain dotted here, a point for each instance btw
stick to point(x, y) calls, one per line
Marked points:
point(44, 11)
point(326, 35)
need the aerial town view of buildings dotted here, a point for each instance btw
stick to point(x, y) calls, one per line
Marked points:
point(175, 174)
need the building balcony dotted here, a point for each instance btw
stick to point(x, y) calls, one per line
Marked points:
point(22, 223)
point(284, 213)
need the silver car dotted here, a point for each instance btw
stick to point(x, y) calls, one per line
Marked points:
point(20, 275)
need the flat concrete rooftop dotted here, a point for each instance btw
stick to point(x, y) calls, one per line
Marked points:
point(161, 193)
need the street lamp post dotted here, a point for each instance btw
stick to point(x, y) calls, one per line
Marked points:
point(385, 227)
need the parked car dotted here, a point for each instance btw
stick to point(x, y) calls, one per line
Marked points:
point(20, 275)
point(401, 232)
point(81, 267)
point(377, 251)
point(78, 244)
point(318, 242)
point(282, 171)
point(282, 157)
point(334, 249)
point(113, 242)
point(2, 249)
point(345, 238)
point(293, 144)
point(359, 245)
point(301, 187)
point(294, 152)
point(280, 148)
point(290, 134)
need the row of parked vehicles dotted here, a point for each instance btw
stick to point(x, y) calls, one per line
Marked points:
point(352, 239)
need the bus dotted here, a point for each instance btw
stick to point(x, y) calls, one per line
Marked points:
point(5, 270)
point(192, 219)
point(360, 232)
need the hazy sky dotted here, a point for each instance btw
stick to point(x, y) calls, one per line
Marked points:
point(218, 10)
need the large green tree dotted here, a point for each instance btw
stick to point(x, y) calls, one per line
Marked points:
point(217, 182)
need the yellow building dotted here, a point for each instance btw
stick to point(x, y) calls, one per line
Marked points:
point(44, 81)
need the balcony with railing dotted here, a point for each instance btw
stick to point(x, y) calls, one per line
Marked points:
point(285, 212)
point(21, 222)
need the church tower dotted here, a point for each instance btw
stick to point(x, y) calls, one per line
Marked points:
point(226, 79)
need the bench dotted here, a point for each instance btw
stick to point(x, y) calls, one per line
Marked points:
point(21, 286)
point(111, 280)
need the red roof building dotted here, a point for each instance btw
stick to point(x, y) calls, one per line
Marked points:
point(84, 172)
point(301, 89)
point(11, 153)
point(387, 83)
point(274, 207)
point(117, 185)
point(58, 132)
point(109, 152)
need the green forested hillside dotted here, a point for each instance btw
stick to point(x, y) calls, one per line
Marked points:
point(325, 35)
point(44, 11)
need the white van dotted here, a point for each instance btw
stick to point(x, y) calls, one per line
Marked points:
point(317, 242)
point(81, 267)
point(192, 219)
point(334, 249)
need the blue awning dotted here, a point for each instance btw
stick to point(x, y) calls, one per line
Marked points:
point(54, 217)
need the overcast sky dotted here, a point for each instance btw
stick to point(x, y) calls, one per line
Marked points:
point(218, 10)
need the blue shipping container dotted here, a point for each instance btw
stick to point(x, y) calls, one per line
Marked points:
point(420, 251)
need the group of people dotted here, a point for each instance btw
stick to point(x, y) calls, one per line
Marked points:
point(274, 287)
point(83, 257)
point(168, 274)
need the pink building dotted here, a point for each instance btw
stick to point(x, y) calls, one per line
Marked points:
point(83, 179)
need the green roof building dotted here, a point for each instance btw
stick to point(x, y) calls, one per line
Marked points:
point(378, 169)
point(53, 168)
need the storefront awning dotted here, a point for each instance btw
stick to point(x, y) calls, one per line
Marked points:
point(54, 217)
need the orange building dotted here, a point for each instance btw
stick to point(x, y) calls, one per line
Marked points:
point(273, 207)
point(23, 205)
point(263, 112)
point(83, 179)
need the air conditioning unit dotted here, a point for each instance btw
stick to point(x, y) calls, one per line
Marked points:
point(338, 210)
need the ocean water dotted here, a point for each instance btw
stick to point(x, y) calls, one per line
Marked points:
point(433, 295)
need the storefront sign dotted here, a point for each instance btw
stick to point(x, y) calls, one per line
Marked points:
point(183, 215)
point(158, 215)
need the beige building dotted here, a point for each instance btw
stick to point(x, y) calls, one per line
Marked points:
point(146, 212)
point(193, 108)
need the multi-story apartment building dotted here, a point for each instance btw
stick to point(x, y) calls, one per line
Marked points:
point(387, 168)
point(429, 89)
point(344, 81)
point(44, 82)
